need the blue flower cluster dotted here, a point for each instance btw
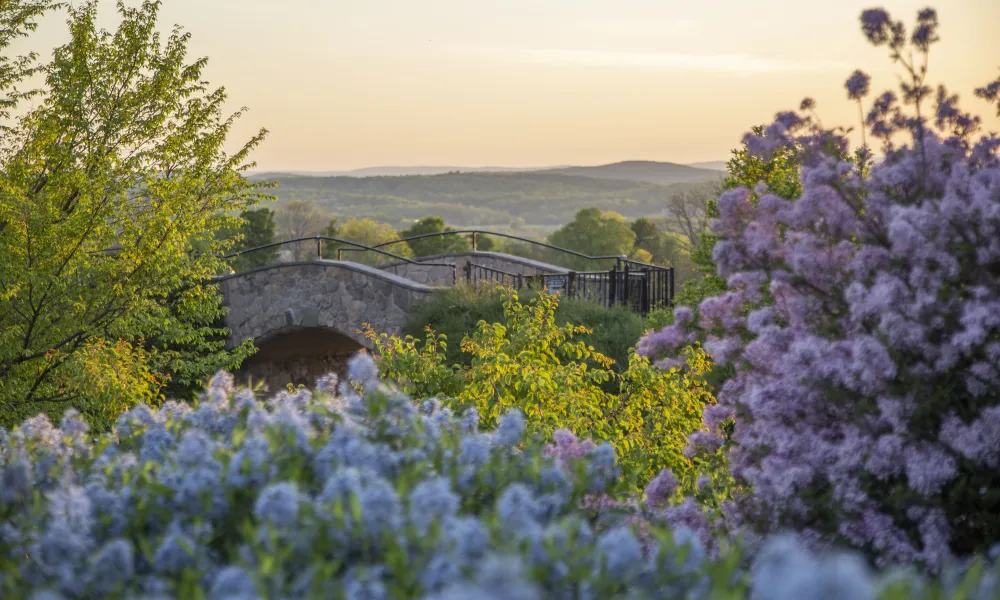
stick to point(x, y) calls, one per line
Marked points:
point(353, 492)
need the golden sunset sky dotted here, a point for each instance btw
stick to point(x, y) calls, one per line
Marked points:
point(347, 84)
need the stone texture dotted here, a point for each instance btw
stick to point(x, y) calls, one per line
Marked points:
point(333, 295)
point(304, 317)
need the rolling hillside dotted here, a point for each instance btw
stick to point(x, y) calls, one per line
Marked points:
point(642, 170)
point(540, 198)
point(475, 199)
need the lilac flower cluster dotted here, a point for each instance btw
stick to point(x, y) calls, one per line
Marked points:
point(867, 394)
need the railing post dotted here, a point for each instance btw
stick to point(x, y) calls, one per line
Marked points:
point(340, 253)
point(468, 272)
point(626, 286)
point(319, 247)
point(644, 302)
point(612, 285)
point(475, 248)
point(670, 300)
point(454, 275)
point(571, 284)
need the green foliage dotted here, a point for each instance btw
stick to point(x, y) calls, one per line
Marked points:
point(256, 229)
point(457, 312)
point(17, 19)
point(108, 184)
point(368, 232)
point(548, 370)
point(434, 245)
point(330, 248)
point(650, 238)
point(488, 200)
point(595, 233)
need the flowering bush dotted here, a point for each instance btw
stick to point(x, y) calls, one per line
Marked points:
point(357, 495)
point(865, 396)
point(558, 380)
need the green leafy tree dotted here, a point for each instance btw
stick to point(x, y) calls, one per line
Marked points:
point(650, 238)
point(434, 245)
point(256, 229)
point(594, 233)
point(368, 232)
point(106, 186)
point(332, 229)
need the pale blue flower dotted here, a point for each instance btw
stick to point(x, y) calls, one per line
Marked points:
point(432, 501)
point(497, 578)
point(251, 465)
point(621, 552)
point(381, 508)
point(470, 420)
point(362, 369)
point(177, 552)
point(510, 429)
point(233, 583)
point(279, 504)
point(113, 566)
point(602, 470)
point(155, 442)
point(194, 448)
point(327, 384)
point(518, 510)
point(365, 583)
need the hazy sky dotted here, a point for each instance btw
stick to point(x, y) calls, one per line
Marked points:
point(343, 84)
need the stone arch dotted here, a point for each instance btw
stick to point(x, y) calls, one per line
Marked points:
point(336, 295)
point(317, 306)
point(297, 355)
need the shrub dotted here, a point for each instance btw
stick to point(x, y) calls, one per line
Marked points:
point(865, 397)
point(359, 494)
point(457, 312)
point(552, 373)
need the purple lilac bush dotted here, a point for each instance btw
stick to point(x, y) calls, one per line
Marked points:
point(866, 396)
point(357, 492)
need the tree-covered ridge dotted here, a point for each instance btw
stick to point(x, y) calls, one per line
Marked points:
point(480, 199)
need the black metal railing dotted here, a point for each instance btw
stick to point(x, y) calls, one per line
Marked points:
point(639, 290)
point(480, 275)
point(476, 233)
point(347, 245)
point(640, 286)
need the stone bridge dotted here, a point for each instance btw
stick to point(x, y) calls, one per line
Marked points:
point(304, 317)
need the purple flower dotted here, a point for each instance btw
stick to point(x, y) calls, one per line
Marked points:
point(660, 489)
point(875, 23)
point(857, 85)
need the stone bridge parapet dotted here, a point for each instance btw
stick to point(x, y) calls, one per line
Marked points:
point(335, 295)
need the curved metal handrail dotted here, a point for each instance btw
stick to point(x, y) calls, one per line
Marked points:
point(319, 239)
point(508, 236)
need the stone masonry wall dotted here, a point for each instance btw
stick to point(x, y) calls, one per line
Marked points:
point(334, 295)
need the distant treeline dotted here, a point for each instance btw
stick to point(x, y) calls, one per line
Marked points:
point(665, 239)
point(480, 199)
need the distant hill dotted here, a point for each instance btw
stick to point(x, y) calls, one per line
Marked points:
point(713, 165)
point(634, 170)
point(401, 171)
point(539, 198)
point(642, 170)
